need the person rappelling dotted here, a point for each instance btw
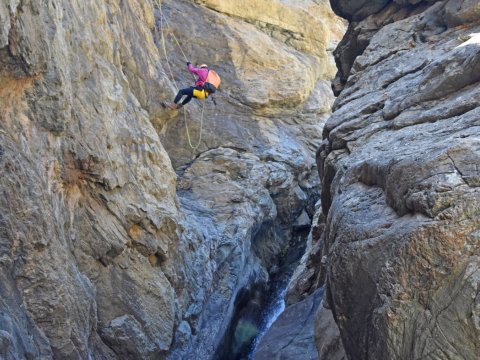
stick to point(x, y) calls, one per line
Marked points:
point(206, 84)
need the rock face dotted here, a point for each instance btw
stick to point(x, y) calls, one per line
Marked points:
point(88, 192)
point(327, 336)
point(400, 183)
point(294, 331)
point(117, 240)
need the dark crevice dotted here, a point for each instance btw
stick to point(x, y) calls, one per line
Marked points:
point(103, 261)
point(254, 303)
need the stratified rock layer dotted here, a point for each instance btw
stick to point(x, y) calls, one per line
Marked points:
point(400, 185)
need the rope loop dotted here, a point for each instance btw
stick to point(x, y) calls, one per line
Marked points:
point(164, 46)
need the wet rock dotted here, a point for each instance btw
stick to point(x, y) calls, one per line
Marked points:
point(292, 334)
point(236, 191)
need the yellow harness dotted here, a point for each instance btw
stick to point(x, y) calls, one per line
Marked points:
point(200, 94)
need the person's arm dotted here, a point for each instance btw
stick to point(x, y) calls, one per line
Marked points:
point(193, 69)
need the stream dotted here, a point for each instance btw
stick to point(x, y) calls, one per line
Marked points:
point(258, 306)
point(271, 314)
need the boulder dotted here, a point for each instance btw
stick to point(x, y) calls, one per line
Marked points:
point(357, 10)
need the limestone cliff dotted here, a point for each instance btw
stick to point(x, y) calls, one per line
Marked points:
point(397, 244)
point(117, 240)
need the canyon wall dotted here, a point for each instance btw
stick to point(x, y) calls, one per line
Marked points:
point(396, 244)
point(118, 240)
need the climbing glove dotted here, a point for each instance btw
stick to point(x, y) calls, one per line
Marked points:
point(188, 63)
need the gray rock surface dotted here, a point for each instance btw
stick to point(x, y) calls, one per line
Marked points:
point(400, 188)
point(358, 9)
point(125, 333)
point(116, 239)
point(327, 336)
point(290, 336)
point(360, 33)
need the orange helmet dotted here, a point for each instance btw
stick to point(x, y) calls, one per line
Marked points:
point(204, 66)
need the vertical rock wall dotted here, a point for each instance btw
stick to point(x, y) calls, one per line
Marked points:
point(399, 172)
point(88, 192)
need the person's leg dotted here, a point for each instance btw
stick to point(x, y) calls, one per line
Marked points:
point(180, 94)
point(189, 94)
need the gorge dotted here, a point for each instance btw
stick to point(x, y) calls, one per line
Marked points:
point(343, 141)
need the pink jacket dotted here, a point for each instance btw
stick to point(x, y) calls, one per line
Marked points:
point(202, 74)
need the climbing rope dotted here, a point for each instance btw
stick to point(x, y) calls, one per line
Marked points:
point(164, 46)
